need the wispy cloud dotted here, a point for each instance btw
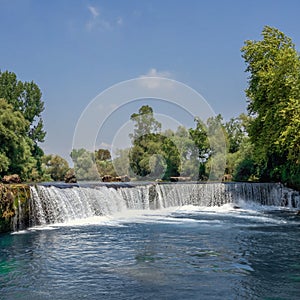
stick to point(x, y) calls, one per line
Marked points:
point(98, 21)
point(94, 11)
point(120, 21)
point(154, 79)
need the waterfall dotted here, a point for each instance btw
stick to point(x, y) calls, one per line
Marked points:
point(54, 204)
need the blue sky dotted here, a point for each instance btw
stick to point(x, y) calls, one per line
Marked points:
point(76, 49)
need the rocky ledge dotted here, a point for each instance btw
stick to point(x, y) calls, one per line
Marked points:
point(14, 198)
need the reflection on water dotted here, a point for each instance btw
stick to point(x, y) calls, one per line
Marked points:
point(182, 254)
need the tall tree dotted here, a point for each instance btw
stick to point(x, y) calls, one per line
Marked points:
point(199, 137)
point(274, 102)
point(15, 146)
point(104, 162)
point(26, 97)
point(152, 154)
point(145, 122)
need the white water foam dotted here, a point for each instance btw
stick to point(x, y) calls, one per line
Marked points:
point(78, 206)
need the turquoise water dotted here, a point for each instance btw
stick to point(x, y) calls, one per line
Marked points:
point(183, 253)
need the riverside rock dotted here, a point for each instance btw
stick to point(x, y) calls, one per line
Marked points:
point(180, 179)
point(14, 178)
point(109, 178)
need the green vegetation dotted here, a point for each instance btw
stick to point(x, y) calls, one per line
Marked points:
point(54, 167)
point(152, 154)
point(261, 146)
point(21, 127)
point(274, 104)
point(12, 198)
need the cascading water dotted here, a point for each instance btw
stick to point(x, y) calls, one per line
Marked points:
point(51, 204)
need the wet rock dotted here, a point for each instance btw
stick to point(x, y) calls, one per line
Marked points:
point(124, 178)
point(179, 179)
point(109, 178)
point(14, 178)
point(226, 177)
point(236, 207)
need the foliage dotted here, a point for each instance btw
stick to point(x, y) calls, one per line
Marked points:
point(25, 99)
point(84, 165)
point(55, 166)
point(235, 132)
point(274, 102)
point(154, 155)
point(102, 154)
point(145, 122)
point(121, 163)
point(189, 160)
point(200, 138)
point(104, 163)
point(15, 146)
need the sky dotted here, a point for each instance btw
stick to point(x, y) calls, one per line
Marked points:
point(76, 49)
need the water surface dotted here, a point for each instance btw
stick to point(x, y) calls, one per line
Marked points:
point(176, 253)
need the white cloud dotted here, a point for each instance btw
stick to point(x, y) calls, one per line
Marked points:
point(154, 73)
point(94, 11)
point(120, 21)
point(97, 21)
point(152, 80)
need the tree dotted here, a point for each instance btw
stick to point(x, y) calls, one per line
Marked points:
point(55, 166)
point(102, 154)
point(145, 122)
point(274, 103)
point(189, 152)
point(121, 162)
point(15, 146)
point(84, 165)
point(152, 154)
point(235, 132)
point(200, 138)
point(25, 97)
point(104, 163)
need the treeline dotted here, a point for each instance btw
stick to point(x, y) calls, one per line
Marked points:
point(261, 146)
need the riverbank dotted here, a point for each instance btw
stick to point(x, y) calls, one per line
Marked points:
point(14, 206)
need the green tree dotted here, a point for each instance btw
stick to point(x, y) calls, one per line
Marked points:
point(152, 154)
point(15, 146)
point(104, 162)
point(121, 162)
point(25, 97)
point(102, 154)
point(200, 139)
point(235, 132)
point(243, 161)
point(145, 122)
point(84, 165)
point(188, 151)
point(55, 166)
point(274, 103)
